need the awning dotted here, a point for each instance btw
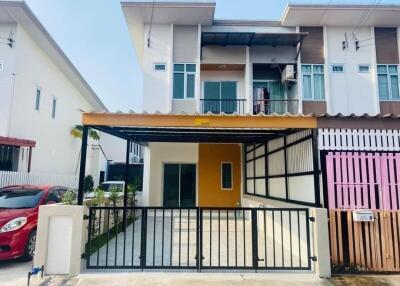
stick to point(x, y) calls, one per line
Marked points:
point(9, 141)
point(197, 128)
point(251, 39)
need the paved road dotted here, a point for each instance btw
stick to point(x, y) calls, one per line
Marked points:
point(14, 272)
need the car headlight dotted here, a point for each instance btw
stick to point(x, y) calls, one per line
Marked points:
point(14, 224)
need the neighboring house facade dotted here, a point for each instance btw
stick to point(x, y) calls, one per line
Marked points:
point(43, 97)
point(308, 62)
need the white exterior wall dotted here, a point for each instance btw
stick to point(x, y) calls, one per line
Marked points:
point(157, 85)
point(56, 151)
point(7, 60)
point(156, 154)
point(351, 91)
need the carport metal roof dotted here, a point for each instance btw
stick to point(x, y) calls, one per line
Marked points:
point(197, 128)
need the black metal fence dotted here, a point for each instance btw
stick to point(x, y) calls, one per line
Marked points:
point(279, 106)
point(198, 238)
point(223, 105)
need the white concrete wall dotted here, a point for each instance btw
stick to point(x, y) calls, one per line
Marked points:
point(156, 155)
point(351, 91)
point(157, 85)
point(26, 64)
point(224, 55)
point(7, 60)
point(56, 150)
point(268, 54)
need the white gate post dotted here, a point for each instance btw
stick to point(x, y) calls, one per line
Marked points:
point(59, 239)
point(321, 243)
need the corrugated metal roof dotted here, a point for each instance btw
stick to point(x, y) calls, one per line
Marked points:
point(287, 114)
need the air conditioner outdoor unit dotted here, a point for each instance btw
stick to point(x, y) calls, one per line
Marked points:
point(288, 74)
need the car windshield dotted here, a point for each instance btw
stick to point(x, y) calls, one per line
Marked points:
point(19, 198)
point(107, 186)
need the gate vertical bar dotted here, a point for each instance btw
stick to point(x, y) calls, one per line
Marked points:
point(254, 234)
point(89, 239)
point(143, 239)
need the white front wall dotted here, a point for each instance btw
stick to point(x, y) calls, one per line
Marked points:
point(56, 151)
point(351, 91)
point(157, 84)
point(156, 155)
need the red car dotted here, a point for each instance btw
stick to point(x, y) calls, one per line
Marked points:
point(19, 207)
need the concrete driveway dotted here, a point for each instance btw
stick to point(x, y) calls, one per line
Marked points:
point(14, 272)
point(213, 279)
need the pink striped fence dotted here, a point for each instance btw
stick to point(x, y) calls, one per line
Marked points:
point(359, 180)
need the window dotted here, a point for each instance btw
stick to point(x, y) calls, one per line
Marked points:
point(364, 68)
point(37, 99)
point(313, 82)
point(220, 96)
point(337, 68)
point(226, 176)
point(53, 108)
point(388, 82)
point(184, 81)
point(54, 196)
point(160, 67)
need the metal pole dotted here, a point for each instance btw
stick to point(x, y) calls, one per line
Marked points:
point(82, 164)
point(29, 159)
point(128, 143)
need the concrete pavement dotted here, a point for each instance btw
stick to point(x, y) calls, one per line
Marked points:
point(213, 279)
point(14, 272)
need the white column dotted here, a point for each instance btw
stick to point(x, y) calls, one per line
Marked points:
point(248, 82)
point(328, 98)
point(299, 79)
point(198, 69)
point(374, 69)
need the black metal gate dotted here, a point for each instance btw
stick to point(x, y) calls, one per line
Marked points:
point(198, 238)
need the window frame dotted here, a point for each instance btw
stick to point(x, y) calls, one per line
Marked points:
point(389, 81)
point(185, 75)
point(364, 65)
point(338, 65)
point(312, 74)
point(222, 176)
point(53, 107)
point(160, 64)
point(38, 97)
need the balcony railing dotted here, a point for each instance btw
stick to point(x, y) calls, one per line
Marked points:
point(279, 106)
point(223, 105)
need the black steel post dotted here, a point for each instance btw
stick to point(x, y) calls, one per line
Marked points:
point(317, 191)
point(82, 164)
point(128, 143)
point(254, 236)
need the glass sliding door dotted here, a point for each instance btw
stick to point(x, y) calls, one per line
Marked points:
point(179, 185)
point(220, 96)
point(269, 97)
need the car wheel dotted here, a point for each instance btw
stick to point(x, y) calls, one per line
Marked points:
point(30, 247)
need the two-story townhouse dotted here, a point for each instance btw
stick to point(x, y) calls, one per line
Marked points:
point(42, 98)
point(301, 111)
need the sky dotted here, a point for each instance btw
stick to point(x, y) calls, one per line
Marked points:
point(94, 35)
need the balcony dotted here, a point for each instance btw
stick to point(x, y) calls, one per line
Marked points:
point(279, 106)
point(223, 105)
